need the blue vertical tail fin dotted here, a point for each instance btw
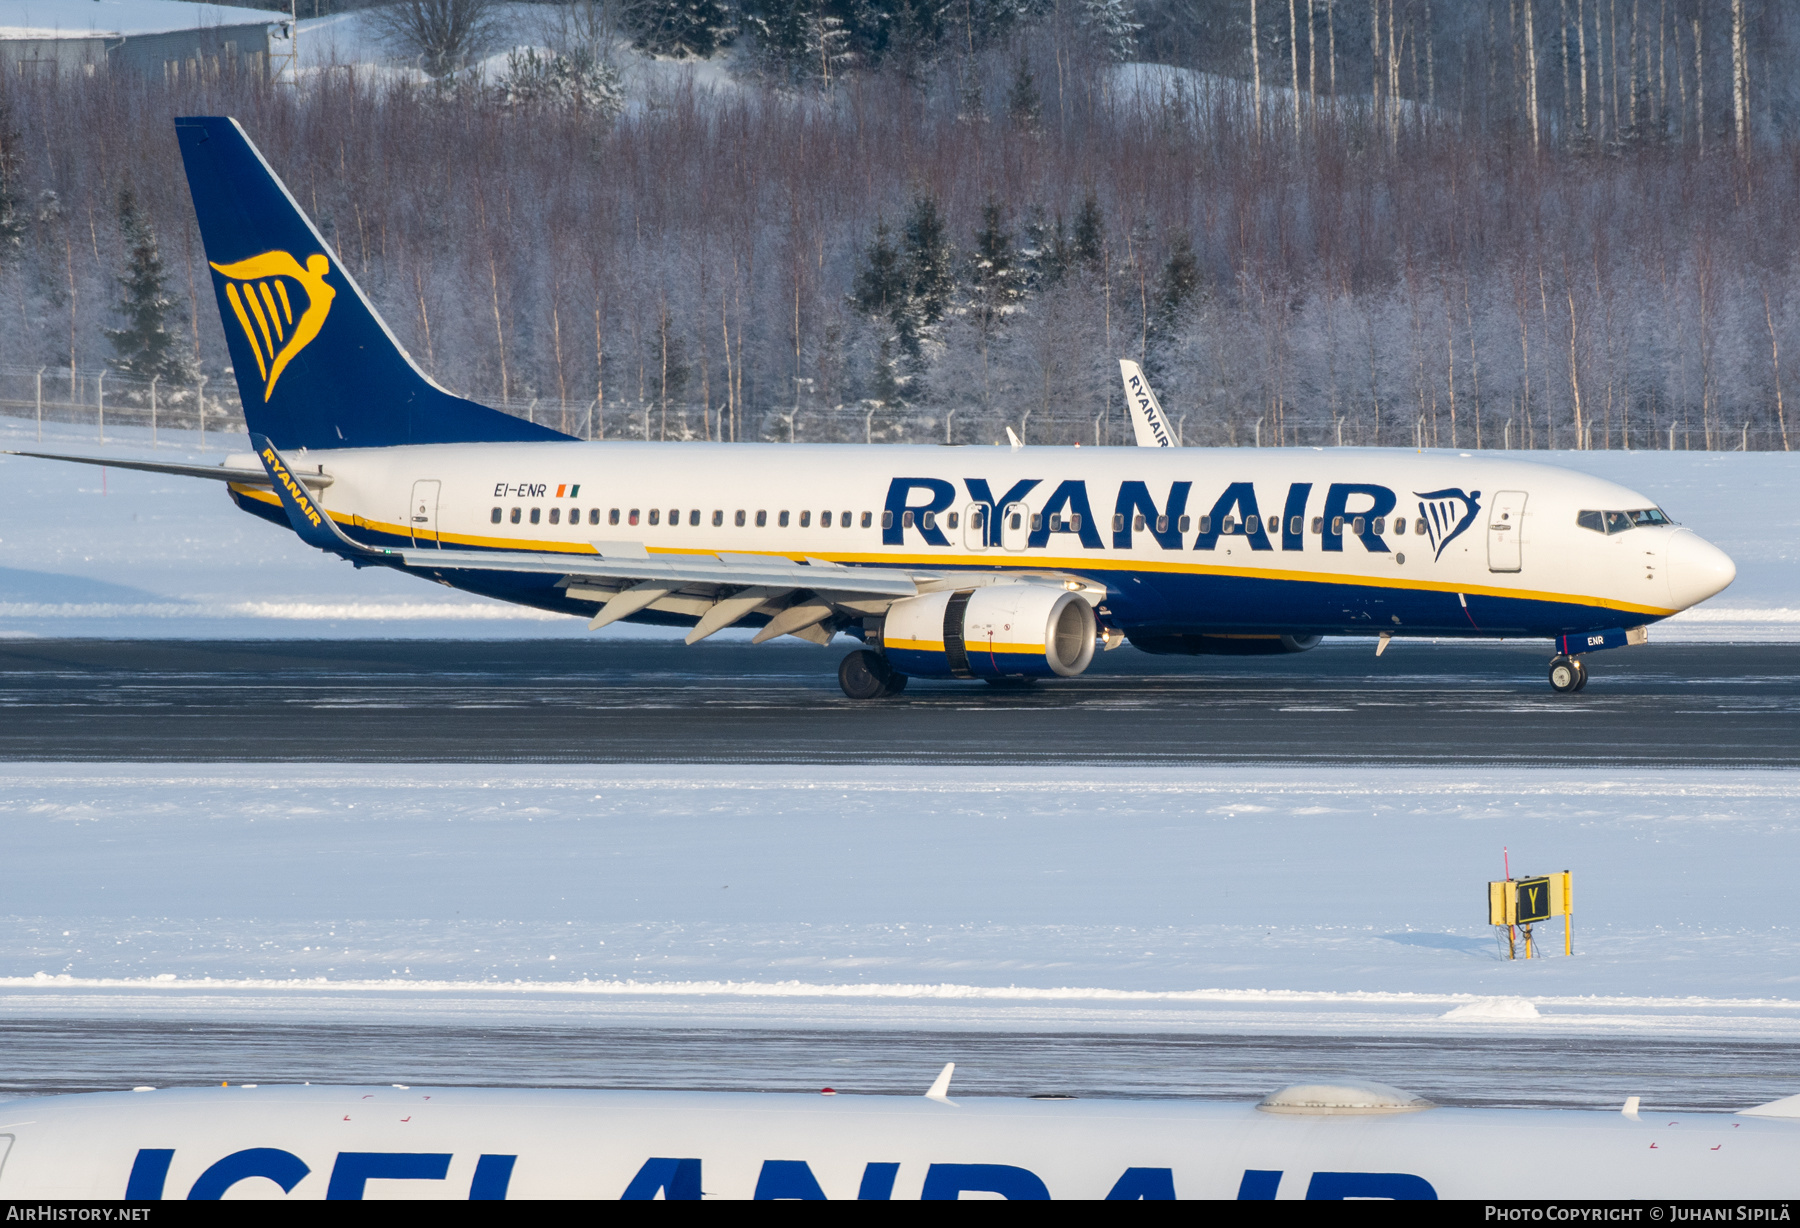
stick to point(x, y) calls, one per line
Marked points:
point(316, 366)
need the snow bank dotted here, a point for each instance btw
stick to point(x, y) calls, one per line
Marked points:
point(1236, 898)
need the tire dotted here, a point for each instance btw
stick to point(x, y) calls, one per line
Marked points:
point(866, 675)
point(1566, 675)
point(1582, 670)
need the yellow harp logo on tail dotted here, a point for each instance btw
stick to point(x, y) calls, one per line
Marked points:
point(261, 298)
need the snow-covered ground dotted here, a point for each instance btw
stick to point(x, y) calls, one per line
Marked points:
point(1215, 898)
point(117, 553)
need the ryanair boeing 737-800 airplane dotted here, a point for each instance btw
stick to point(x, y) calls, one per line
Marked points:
point(945, 562)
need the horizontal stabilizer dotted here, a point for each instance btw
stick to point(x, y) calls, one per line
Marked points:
point(221, 473)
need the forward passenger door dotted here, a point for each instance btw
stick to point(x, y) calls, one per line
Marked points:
point(1506, 522)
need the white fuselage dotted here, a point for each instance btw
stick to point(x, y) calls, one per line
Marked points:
point(1451, 543)
point(447, 1143)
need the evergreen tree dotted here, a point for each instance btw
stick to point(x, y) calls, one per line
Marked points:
point(880, 288)
point(1109, 22)
point(1023, 104)
point(801, 40)
point(1090, 233)
point(1046, 252)
point(930, 275)
point(697, 28)
point(996, 281)
point(145, 347)
point(909, 285)
point(1180, 279)
point(12, 217)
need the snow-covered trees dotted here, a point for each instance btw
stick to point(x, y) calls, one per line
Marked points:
point(680, 28)
point(714, 262)
point(148, 345)
point(574, 80)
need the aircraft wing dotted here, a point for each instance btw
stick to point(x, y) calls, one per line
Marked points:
point(679, 569)
point(221, 473)
point(1148, 421)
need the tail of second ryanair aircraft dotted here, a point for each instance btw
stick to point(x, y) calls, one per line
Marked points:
point(316, 366)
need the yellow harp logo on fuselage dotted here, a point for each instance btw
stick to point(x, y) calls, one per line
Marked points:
point(259, 294)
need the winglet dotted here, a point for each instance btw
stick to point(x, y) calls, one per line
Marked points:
point(1630, 1108)
point(1016, 442)
point(940, 1087)
point(310, 521)
point(1148, 422)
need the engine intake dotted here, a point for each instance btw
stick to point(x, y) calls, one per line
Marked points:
point(999, 631)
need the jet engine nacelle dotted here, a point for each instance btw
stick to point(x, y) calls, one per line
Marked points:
point(998, 631)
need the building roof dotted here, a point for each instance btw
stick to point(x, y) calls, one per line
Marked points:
point(119, 18)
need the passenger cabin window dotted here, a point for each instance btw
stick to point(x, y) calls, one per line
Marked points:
point(1357, 525)
point(782, 520)
point(1380, 525)
point(1017, 519)
point(1318, 525)
point(806, 520)
point(718, 518)
point(1206, 523)
point(1400, 525)
point(1037, 522)
point(762, 519)
point(825, 520)
point(1227, 525)
point(1419, 525)
point(496, 516)
point(594, 515)
point(612, 517)
point(1185, 522)
point(694, 518)
point(1295, 524)
point(515, 515)
point(656, 515)
point(535, 512)
point(740, 518)
point(906, 520)
point(844, 520)
point(887, 520)
point(674, 517)
point(953, 519)
point(1252, 524)
point(556, 515)
point(632, 518)
point(574, 515)
point(1337, 526)
point(977, 519)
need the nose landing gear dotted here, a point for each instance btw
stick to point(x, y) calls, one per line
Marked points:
point(866, 675)
point(1567, 674)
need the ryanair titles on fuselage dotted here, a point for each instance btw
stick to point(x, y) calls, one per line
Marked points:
point(1350, 509)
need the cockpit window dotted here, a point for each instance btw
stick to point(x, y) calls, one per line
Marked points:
point(1618, 522)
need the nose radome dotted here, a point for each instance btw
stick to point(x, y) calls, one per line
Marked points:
point(1697, 569)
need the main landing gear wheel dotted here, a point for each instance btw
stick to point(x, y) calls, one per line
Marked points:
point(867, 675)
point(1567, 674)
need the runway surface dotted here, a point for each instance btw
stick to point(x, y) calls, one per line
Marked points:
point(45, 1057)
point(558, 701)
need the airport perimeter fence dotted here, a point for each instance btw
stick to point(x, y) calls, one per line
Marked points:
point(100, 399)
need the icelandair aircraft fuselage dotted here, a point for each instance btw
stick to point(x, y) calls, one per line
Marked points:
point(978, 562)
